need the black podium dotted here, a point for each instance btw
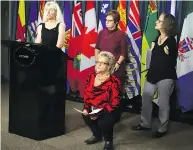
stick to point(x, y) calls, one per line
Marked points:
point(37, 90)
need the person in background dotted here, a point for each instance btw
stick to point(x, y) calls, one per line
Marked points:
point(161, 75)
point(113, 40)
point(102, 91)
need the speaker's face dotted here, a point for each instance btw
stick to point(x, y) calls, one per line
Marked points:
point(50, 13)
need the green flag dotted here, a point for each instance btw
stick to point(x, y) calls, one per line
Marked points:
point(149, 35)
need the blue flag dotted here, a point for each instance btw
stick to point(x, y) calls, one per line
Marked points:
point(171, 7)
point(32, 22)
point(68, 22)
point(105, 7)
point(133, 68)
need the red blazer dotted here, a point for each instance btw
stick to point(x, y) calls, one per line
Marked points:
point(106, 96)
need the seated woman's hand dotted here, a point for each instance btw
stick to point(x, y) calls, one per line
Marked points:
point(85, 112)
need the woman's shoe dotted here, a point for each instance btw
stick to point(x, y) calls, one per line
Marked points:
point(139, 127)
point(108, 145)
point(158, 134)
point(93, 140)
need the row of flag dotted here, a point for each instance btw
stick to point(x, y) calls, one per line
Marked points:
point(80, 40)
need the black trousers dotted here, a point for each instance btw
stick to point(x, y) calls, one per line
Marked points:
point(102, 126)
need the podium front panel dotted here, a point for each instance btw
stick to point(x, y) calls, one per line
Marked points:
point(37, 92)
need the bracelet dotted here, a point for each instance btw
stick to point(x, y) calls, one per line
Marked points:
point(118, 63)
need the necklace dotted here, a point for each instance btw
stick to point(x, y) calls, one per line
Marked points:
point(161, 38)
point(106, 37)
point(102, 78)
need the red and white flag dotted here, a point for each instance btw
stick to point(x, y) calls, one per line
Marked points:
point(75, 47)
point(87, 62)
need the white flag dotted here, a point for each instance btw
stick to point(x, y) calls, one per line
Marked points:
point(185, 66)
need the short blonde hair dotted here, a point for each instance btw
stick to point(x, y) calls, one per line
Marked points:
point(111, 60)
point(55, 6)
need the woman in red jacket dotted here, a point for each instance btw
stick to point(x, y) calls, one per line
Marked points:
point(102, 91)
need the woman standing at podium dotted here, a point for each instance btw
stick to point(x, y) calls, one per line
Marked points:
point(51, 33)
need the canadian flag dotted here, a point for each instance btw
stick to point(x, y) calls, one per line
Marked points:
point(90, 34)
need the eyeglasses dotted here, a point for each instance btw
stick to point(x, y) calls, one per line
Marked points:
point(101, 63)
point(109, 20)
point(159, 21)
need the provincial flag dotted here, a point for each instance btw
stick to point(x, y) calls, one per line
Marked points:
point(184, 69)
point(121, 8)
point(75, 47)
point(41, 11)
point(21, 24)
point(171, 7)
point(68, 23)
point(149, 35)
point(133, 67)
point(105, 7)
point(32, 22)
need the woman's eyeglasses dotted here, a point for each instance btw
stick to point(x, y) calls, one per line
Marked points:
point(101, 63)
point(108, 20)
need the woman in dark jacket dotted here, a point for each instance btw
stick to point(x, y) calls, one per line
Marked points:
point(161, 75)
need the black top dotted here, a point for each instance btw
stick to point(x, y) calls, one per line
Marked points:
point(50, 36)
point(163, 61)
point(50, 60)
